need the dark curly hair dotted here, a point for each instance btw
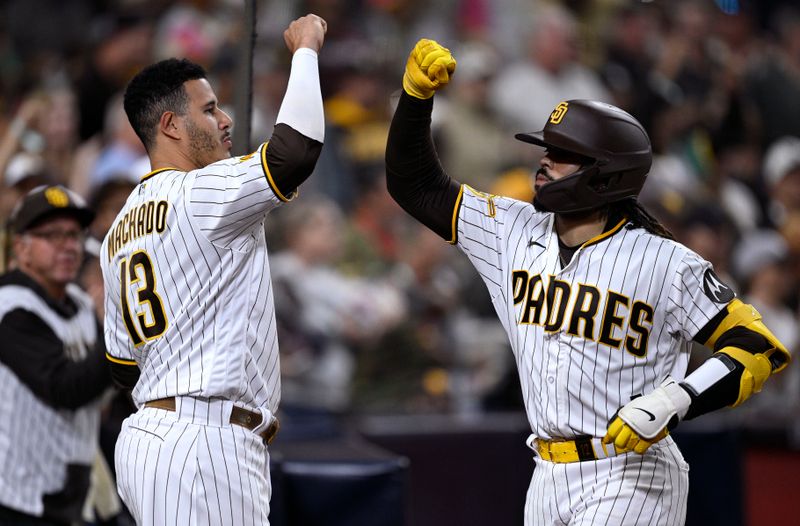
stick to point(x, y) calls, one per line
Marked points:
point(156, 89)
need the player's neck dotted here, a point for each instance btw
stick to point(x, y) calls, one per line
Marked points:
point(574, 230)
point(160, 158)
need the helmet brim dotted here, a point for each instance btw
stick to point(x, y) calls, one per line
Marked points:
point(536, 138)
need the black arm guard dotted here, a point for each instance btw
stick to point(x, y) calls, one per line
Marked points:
point(414, 176)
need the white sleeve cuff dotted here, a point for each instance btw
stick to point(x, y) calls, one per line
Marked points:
point(709, 373)
point(302, 104)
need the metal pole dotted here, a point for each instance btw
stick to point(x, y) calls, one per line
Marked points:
point(243, 96)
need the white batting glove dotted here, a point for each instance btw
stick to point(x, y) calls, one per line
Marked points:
point(643, 421)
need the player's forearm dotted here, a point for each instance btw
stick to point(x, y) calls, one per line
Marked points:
point(296, 143)
point(414, 176)
point(302, 104)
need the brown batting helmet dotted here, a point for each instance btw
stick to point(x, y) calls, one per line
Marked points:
point(616, 145)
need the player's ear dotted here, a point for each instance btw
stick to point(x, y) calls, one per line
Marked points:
point(21, 243)
point(169, 125)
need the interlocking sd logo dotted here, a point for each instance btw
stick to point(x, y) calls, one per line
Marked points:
point(559, 113)
point(56, 197)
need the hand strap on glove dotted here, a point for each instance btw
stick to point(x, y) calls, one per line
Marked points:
point(646, 420)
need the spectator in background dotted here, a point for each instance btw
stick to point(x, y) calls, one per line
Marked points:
point(356, 127)
point(324, 315)
point(707, 229)
point(376, 230)
point(782, 175)
point(472, 140)
point(122, 156)
point(760, 266)
point(773, 79)
point(552, 72)
point(120, 44)
point(58, 127)
point(23, 174)
point(739, 185)
point(52, 365)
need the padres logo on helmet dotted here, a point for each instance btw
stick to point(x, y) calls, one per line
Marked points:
point(559, 112)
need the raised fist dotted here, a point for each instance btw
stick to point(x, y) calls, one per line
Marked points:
point(430, 66)
point(307, 31)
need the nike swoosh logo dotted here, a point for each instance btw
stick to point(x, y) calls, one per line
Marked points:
point(648, 413)
point(532, 243)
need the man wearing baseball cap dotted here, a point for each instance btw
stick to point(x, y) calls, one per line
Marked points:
point(52, 364)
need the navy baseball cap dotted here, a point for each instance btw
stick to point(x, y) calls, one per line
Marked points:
point(46, 201)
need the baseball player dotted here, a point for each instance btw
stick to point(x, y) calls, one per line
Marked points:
point(190, 323)
point(599, 302)
point(52, 364)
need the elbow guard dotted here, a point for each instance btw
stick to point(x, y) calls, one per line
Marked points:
point(746, 354)
point(743, 322)
point(757, 369)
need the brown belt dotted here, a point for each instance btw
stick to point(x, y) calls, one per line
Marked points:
point(239, 416)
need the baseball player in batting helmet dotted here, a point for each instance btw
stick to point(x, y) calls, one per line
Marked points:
point(599, 302)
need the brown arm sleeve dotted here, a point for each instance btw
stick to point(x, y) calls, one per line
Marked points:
point(291, 157)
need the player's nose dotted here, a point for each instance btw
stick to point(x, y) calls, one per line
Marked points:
point(545, 162)
point(225, 121)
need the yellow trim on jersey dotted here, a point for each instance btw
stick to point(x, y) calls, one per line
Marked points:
point(492, 210)
point(156, 172)
point(456, 207)
point(270, 180)
point(120, 360)
point(607, 233)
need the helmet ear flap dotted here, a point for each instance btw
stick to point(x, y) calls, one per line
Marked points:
point(602, 183)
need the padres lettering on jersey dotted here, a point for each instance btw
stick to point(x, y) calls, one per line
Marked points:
point(581, 309)
point(587, 337)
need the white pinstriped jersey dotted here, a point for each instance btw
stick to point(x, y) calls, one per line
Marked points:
point(587, 337)
point(188, 292)
point(32, 467)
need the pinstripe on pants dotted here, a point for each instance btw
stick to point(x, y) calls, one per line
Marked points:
point(224, 468)
point(626, 490)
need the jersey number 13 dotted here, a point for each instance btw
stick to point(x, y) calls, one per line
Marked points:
point(140, 329)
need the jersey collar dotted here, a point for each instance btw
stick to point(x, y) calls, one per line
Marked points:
point(155, 172)
point(608, 233)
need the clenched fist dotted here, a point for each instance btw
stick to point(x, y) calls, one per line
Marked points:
point(307, 31)
point(430, 66)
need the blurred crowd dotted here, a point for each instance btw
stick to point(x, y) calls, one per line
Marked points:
point(376, 313)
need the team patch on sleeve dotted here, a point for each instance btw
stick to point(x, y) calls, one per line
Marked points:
point(715, 289)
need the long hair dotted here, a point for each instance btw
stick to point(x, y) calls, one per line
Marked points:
point(638, 216)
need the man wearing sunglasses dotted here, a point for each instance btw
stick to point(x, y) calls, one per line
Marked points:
point(52, 364)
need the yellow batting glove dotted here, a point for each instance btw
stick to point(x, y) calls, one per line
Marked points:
point(625, 439)
point(430, 66)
